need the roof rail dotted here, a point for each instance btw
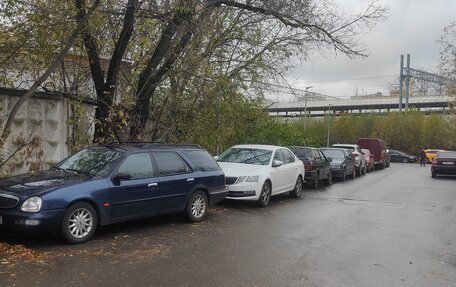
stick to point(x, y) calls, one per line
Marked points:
point(143, 143)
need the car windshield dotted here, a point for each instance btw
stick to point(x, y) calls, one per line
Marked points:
point(333, 153)
point(301, 152)
point(93, 161)
point(247, 156)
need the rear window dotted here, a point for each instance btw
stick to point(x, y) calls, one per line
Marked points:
point(346, 147)
point(302, 152)
point(203, 160)
point(333, 153)
point(446, 154)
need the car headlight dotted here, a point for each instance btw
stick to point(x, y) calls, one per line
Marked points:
point(33, 204)
point(252, 178)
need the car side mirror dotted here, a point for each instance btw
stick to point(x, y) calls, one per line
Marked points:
point(276, 163)
point(116, 179)
point(216, 157)
point(329, 159)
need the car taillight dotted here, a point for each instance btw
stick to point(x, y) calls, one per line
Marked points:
point(434, 161)
point(307, 165)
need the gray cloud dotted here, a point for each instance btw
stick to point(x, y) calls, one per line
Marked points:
point(413, 26)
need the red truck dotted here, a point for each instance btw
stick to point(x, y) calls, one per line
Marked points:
point(377, 148)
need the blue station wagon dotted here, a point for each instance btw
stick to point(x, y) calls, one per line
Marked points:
point(112, 183)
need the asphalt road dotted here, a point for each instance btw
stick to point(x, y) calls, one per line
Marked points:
point(394, 227)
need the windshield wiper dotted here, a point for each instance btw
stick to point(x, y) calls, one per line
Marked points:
point(80, 171)
point(256, 157)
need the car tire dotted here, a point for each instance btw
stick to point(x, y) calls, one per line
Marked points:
point(344, 174)
point(79, 223)
point(433, 174)
point(265, 195)
point(404, 160)
point(297, 191)
point(197, 206)
point(329, 180)
point(354, 173)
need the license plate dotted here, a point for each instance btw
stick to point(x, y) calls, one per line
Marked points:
point(1, 220)
point(447, 162)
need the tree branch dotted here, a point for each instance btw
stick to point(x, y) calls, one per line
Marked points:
point(59, 58)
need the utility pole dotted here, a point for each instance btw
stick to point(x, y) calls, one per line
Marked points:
point(401, 78)
point(407, 83)
point(305, 108)
point(329, 125)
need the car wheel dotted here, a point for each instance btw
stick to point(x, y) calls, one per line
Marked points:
point(344, 174)
point(330, 178)
point(197, 206)
point(296, 192)
point(265, 195)
point(364, 170)
point(405, 160)
point(354, 173)
point(434, 174)
point(79, 223)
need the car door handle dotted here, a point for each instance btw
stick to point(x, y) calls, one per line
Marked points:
point(190, 180)
point(153, 184)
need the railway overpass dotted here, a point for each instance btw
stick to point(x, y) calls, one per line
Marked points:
point(378, 105)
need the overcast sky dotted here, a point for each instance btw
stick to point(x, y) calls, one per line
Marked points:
point(413, 26)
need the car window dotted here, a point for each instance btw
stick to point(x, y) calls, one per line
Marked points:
point(169, 163)
point(322, 156)
point(138, 166)
point(287, 156)
point(203, 160)
point(279, 156)
point(317, 155)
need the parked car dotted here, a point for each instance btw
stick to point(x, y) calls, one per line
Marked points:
point(112, 183)
point(377, 147)
point(400, 156)
point(431, 153)
point(257, 172)
point(316, 165)
point(369, 160)
point(358, 154)
point(343, 162)
point(444, 163)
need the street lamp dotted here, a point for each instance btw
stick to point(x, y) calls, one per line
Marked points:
point(305, 107)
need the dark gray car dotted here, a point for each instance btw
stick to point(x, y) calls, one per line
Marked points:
point(343, 162)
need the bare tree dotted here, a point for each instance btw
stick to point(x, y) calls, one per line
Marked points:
point(310, 24)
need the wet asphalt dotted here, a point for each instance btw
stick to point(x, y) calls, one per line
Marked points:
point(392, 227)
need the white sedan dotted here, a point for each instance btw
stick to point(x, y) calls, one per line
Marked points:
point(256, 172)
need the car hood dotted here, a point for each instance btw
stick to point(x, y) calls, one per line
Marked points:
point(242, 169)
point(40, 182)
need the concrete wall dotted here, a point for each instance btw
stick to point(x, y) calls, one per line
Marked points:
point(46, 116)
